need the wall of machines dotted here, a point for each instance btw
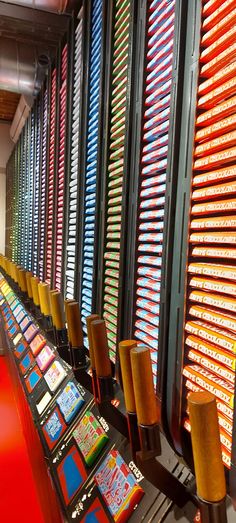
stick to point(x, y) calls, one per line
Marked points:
point(121, 193)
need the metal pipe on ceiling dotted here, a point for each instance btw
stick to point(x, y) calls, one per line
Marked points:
point(22, 68)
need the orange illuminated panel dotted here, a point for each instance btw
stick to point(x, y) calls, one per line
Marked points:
point(211, 351)
point(219, 45)
point(211, 365)
point(216, 318)
point(214, 65)
point(214, 130)
point(218, 222)
point(228, 173)
point(210, 325)
point(209, 381)
point(221, 9)
point(219, 111)
point(215, 270)
point(213, 285)
point(217, 94)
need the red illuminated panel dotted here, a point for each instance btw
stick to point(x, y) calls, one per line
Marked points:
point(61, 171)
point(50, 202)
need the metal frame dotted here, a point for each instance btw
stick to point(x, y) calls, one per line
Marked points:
point(180, 253)
point(101, 134)
point(125, 188)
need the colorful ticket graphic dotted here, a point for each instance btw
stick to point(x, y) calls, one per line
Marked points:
point(90, 438)
point(70, 401)
point(24, 324)
point(45, 357)
point(54, 428)
point(20, 349)
point(95, 513)
point(33, 379)
point(118, 486)
point(26, 362)
point(31, 332)
point(37, 344)
point(71, 474)
point(55, 375)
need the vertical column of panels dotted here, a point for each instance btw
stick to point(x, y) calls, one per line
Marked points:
point(18, 202)
point(120, 90)
point(210, 328)
point(72, 226)
point(31, 186)
point(152, 177)
point(36, 187)
point(90, 187)
point(50, 192)
point(14, 205)
point(23, 178)
point(43, 186)
point(61, 171)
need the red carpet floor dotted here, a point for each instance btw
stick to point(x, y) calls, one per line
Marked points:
point(18, 495)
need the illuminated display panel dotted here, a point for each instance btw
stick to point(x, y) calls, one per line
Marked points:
point(210, 327)
point(43, 185)
point(72, 226)
point(60, 190)
point(155, 136)
point(115, 194)
point(50, 192)
point(91, 160)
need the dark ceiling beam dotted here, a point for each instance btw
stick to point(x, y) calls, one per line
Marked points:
point(34, 16)
point(39, 41)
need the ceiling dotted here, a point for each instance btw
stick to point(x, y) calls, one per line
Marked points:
point(35, 28)
point(8, 105)
point(32, 26)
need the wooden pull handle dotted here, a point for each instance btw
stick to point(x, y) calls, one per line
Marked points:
point(101, 350)
point(66, 303)
point(22, 280)
point(126, 371)
point(18, 267)
point(58, 315)
point(209, 469)
point(145, 398)
point(14, 271)
point(35, 292)
point(29, 275)
point(89, 320)
point(74, 326)
point(11, 269)
point(44, 300)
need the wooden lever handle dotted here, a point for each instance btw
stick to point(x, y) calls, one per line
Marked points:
point(22, 280)
point(89, 320)
point(35, 292)
point(29, 275)
point(17, 273)
point(57, 309)
point(44, 300)
point(209, 469)
point(101, 350)
point(145, 398)
point(74, 325)
point(126, 372)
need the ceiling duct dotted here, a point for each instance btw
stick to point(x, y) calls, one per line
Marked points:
point(54, 6)
point(22, 68)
